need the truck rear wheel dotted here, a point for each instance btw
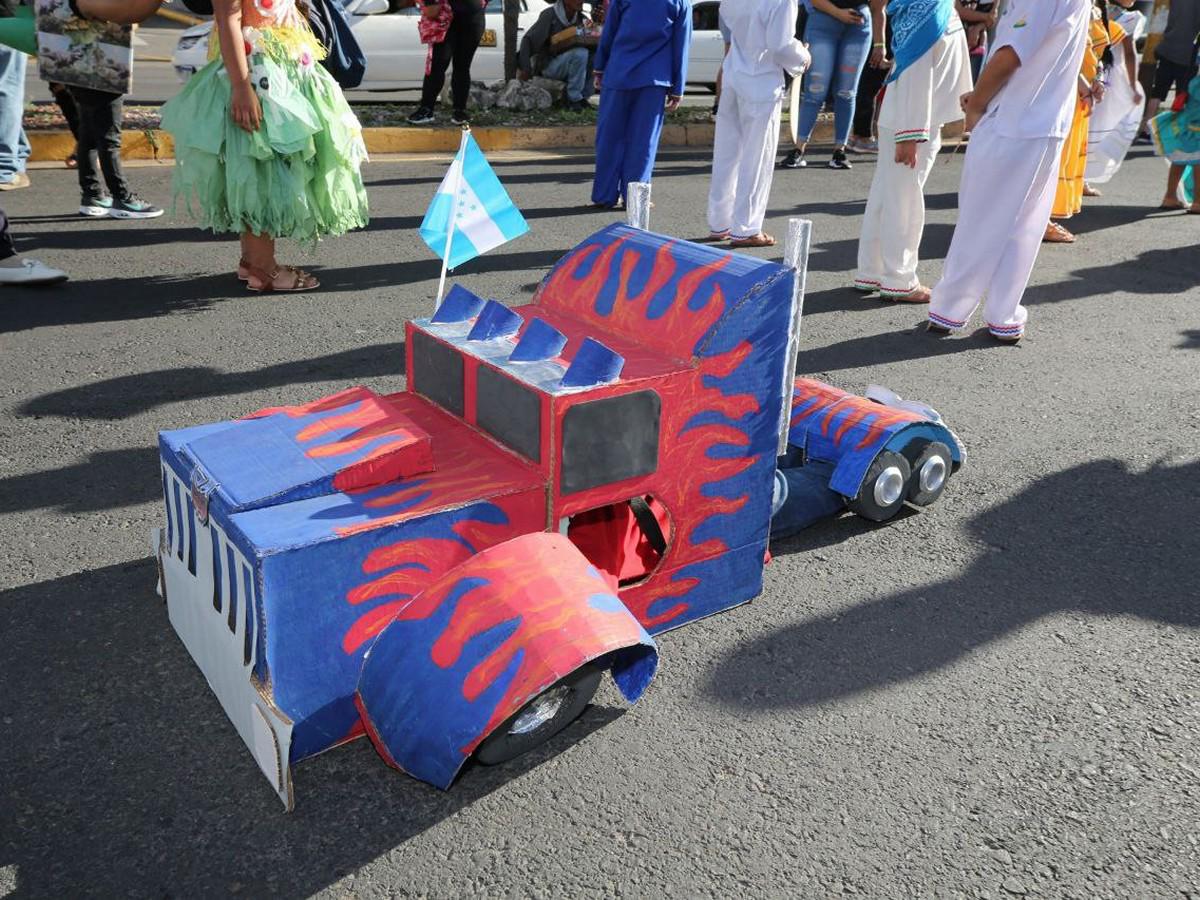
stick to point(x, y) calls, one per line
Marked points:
point(884, 489)
point(542, 717)
point(930, 470)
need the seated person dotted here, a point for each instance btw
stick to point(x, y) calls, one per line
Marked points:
point(572, 66)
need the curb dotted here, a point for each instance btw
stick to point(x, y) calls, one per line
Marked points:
point(56, 146)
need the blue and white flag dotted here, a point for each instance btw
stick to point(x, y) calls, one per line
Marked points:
point(484, 215)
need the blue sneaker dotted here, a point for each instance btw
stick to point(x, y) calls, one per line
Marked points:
point(95, 207)
point(133, 208)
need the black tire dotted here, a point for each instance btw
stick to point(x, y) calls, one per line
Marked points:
point(930, 471)
point(884, 488)
point(504, 743)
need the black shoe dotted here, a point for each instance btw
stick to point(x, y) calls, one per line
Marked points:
point(794, 160)
point(579, 105)
point(459, 118)
point(423, 116)
point(839, 160)
point(1143, 139)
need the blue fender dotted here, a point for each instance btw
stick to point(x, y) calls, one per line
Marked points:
point(480, 642)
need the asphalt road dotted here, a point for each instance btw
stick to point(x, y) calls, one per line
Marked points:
point(997, 697)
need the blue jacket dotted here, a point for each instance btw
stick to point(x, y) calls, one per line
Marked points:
point(645, 44)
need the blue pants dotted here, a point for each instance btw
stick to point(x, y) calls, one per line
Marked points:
point(14, 147)
point(573, 68)
point(627, 133)
point(839, 53)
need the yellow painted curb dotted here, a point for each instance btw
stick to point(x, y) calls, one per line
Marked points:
point(181, 18)
point(55, 146)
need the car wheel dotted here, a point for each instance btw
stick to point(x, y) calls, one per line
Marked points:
point(930, 472)
point(884, 488)
point(542, 717)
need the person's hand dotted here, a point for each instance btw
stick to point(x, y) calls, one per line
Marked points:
point(523, 74)
point(965, 100)
point(878, 58)
point(849, 16)
point(972, 111)
point(993, 18)
point(1099, 89)
point(597, 81)
point(244, 107)
point(906, 154)
point(673, 102)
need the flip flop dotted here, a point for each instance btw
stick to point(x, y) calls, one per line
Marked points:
point(758, 240)
point(919, 294)
point(301, 281)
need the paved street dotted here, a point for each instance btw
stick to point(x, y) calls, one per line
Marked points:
point(995, 698)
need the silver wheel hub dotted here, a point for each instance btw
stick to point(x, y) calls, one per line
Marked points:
point(889, 486)
point(933, 474)
point(541, 710)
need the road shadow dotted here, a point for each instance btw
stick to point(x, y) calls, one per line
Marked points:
point(100, 238)
point(107, 479)
point(1098, 217)
point(122, 777)
point(114, 300)
point(1165, 272)
point(131, 395)
point(1055, 547)
point(892, 347)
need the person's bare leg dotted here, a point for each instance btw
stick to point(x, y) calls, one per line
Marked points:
point(1151, 110)
point(1171, 197)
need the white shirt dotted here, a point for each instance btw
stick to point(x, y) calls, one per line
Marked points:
point(927, 94)
point(1049, 36)
point(763, 44)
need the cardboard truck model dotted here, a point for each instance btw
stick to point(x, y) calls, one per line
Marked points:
point(451, 569)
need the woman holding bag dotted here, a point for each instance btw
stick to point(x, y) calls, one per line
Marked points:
point(453, 30)
point(265, 143)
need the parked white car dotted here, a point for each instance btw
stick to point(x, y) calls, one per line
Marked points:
point(396, 56)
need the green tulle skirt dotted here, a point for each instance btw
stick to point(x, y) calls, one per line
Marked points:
point(296, 177)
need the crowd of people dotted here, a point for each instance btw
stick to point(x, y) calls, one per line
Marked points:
point(267, 147)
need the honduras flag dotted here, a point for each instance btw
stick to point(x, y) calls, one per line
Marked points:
point(483, 214)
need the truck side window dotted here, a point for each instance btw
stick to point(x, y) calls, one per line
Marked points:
point(438, 372)
point(509, 412)
point(610, 440)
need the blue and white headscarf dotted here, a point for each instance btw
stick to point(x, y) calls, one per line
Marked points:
point(916, 26)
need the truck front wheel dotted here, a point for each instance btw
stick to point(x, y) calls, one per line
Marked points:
point(542, 717)
point(884, 488)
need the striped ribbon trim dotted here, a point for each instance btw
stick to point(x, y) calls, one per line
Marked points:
point(944, 322)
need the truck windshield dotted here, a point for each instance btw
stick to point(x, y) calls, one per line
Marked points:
point(610, 440)
point(437, 372)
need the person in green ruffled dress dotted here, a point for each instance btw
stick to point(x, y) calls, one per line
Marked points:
point(265, 144)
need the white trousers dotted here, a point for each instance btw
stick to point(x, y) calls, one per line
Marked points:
point(743, 164)
point(895, 219)
point(1004, 202)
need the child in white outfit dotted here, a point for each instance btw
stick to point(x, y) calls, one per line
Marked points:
point(1018, 115)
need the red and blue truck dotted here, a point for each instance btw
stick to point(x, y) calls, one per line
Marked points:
point(450, 570)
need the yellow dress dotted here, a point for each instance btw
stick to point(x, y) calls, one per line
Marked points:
point(1069, 198)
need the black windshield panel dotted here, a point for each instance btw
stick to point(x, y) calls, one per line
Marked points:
point(509, 411)
point(437, 372)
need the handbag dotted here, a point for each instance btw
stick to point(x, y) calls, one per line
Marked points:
point(344, 57)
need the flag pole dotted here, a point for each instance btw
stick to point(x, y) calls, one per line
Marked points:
point(458, 174)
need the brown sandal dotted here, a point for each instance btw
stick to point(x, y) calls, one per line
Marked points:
point(301, 281)
point(242, 266)
point(1056, 234)
point(762, 239)
point(919, 294)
